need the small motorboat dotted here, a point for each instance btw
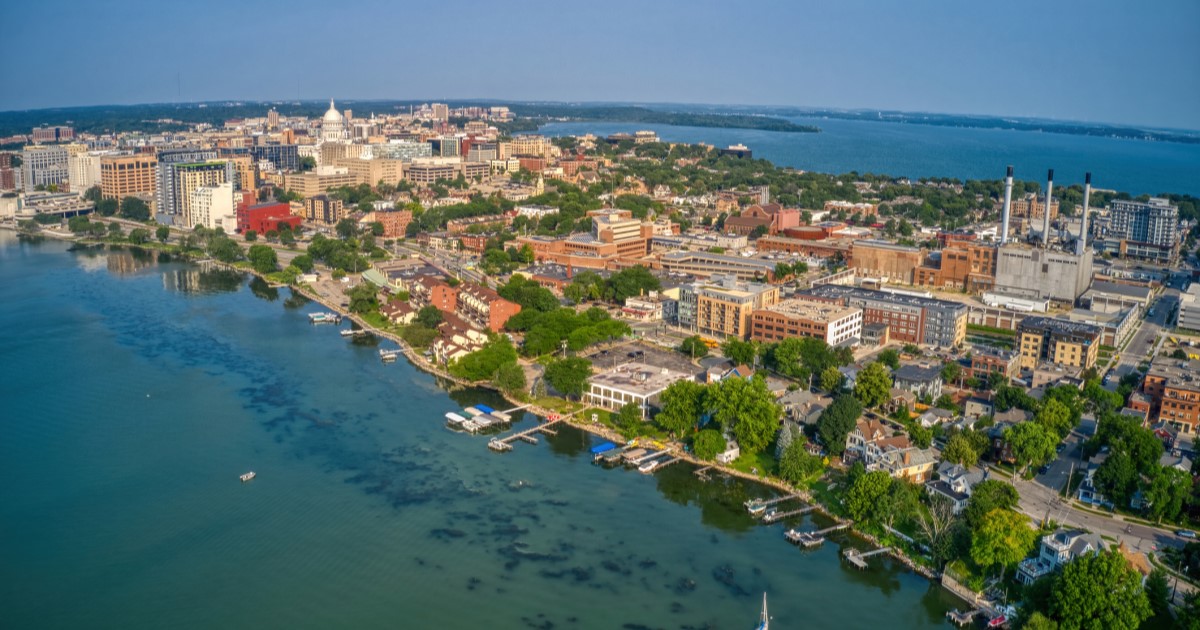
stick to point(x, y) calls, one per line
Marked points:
point(247, 476)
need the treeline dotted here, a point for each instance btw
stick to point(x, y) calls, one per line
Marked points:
point(632, 114)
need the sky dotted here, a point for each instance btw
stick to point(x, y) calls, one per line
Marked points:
point(1094, 61)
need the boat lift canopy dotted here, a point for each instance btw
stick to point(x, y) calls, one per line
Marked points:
point(602, 448)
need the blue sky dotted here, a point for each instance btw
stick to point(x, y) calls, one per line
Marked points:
point(1102, 61)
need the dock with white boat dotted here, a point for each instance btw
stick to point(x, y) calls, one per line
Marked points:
point(324, 318)
point(775, 516)
point(388, 356)
point(757, 506)
point(354, 332)
point(812, 539)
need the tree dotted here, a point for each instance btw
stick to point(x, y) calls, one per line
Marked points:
point(510, 378)
point(832, 380)
point(959, 450)
point(1167, 493)
point(483, 363)
point(865, 494)
point(1099, 591)
point(107, 207)
point(694, 347)
point(1158, 592)
point(114, 229)
point(138, 236)
point(1055, 416)
point(363, 296)
point(797, 464)
point(135, 209)
point(1003, 537)
point(628, 419)
point(682, 402)
point(377, 228)
point(746, 408)
point(1038, 621)
point(304, 263)
point(251, 236)
point(1117, 477)
point(569, 376)
point(346, 228)
point(738, 351)
point(162, 233)
point(890, 358)
point(899, 504)
point(708, 444)
point(1032, 444)
point(951, 371)
point(286, 236)
point(429, 316)
point(987, 496)
point(873, 386)
point(307, 163)
point(272, 235)
point(837, 421)
point(263, 258)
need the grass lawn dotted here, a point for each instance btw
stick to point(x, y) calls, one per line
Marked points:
point(765, 463)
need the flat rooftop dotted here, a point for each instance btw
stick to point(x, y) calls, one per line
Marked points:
point(1056, 325)
point(638, 378)
point(841, 291)
point(824, 312)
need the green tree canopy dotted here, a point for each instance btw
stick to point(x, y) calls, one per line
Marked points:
point(485, 362)
point(738, 351)
point(1099, 591)
point(873, 386)
point(429, 316)
point(134, 209)
point(682, 403)
point(162, 233)
point(987, 496)
point(1032, 444)
point(569, 376)
point(747, 409)
point(960, 450)
point(694, 347)
point(865, 496)
point(832, 380)
point(708, 444)
point(363, 296)
point(1002, 538)
point(890, 358)
point(797, 464)
point(262, 258)
point(837, 421)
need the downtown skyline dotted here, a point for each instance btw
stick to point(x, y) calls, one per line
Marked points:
point(1074, 61)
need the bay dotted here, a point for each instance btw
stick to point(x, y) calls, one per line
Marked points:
point(913, 150)
point(137, 389)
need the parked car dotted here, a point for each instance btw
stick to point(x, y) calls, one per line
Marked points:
point(1185, 533)
point(1044, 469)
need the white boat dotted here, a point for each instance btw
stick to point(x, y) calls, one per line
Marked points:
point(322, 318)
point(248, 476)
point(648, 467)
point(388, 355)
point(351, 332)
point(755, 507)
point(455, 418)
point(764, 620)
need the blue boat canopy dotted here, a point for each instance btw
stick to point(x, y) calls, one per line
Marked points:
point(484, 408)
point(600, 448)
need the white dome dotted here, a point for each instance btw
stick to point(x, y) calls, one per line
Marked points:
point(333, 115)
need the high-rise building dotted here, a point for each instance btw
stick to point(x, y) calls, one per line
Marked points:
point(441, 111)
point(285, 157)
point(273, 119)
point(44, 165)
point(1058, 341)
point(722, 306)
point(166, 197)
point(910, 318)
point(84, 171)
point(405, 150)
point(1142, 229)
point(127, 175)
point(189, 177)
point(212, 207)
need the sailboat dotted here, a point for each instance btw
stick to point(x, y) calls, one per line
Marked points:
point(764, 620)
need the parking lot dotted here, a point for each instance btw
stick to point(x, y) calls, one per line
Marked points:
point(633, 352)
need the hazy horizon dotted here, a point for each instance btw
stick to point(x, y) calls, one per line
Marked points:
point(1104, 62)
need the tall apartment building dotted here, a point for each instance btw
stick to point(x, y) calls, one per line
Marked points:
point(166, 197)
point(284, 157)
point(722, 306)
point(484, 307)
point(43, 165)
point(316, 182)
point(404, 150)
point(189, 177)
point(1142, 229)
point(529, 145)
point(910, 318)
point(128, 175)
point(1173, 386)
point(1058, 341)
point(84, 171)
point(441, 111)
point(324, 209)
point(373, 171)
point(245, 169)
point(832, 323)
point(212, 207)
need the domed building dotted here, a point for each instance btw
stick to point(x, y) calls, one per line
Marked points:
point(333, 125)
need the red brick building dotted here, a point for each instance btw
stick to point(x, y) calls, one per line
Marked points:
point(484, 307)
point(264, 217)
point(395, 222)
point(428, 290)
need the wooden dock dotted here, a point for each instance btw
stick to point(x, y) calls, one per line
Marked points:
point(859, 559)
point(757, 505)
point(814, 538)
point(779, 516)
point(647, 457)
point(505, 443)
point(960, 618)
point(702, 473)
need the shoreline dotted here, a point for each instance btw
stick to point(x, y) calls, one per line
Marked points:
point(420, 363)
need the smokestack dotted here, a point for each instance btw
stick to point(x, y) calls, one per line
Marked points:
point(1046, 212)
point(1007, 206)
point(1081, 244)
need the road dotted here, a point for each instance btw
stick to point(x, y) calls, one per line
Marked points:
point(1147, 335)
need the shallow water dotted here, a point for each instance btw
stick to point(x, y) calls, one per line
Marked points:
point(136, 390)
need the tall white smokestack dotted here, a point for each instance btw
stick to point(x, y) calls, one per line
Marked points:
point(1007, 206)
point(1046, 212)
point(1081, 244)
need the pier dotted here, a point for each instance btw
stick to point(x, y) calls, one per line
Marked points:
point(756, 506)
point(702, 473)
point(859, 559)
point(505, 443)
point(812, 539)
point(655, 464)
point(779, 516)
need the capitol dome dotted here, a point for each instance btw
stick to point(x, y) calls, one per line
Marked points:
point(333, 124)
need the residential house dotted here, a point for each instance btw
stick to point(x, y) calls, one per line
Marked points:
point(934, 416)
point(954, 484)
point(398, 312)
point(976, 407)
point(732, 451)
point(803, 406)
point(1058, 549)
point(922, 380)
point(880, 448)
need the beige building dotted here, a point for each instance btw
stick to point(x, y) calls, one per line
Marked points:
point(373, 171)
point(539, 146)
point(127, 175)
point(324, 209)
point(84, 171)
point(212, 207)
point(828, 321)
point(1058, 341)
point(319, 181)
point(189, 177)
point(247, 171)
point(723, 308)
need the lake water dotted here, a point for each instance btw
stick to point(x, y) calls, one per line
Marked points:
point(914, 151)
point(137, 390)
